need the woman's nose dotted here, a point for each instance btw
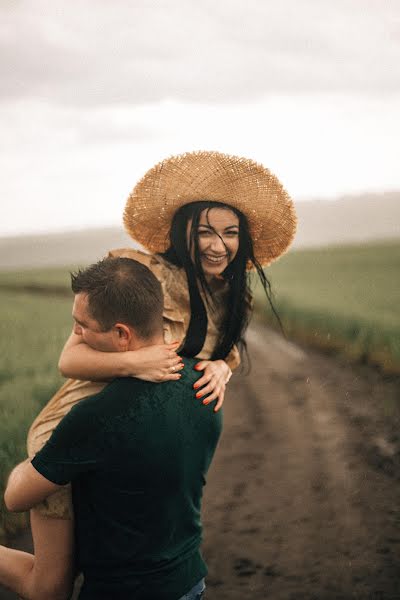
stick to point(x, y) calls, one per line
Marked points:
point(217, 245)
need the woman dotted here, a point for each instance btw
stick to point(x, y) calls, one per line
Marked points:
point(205, 218)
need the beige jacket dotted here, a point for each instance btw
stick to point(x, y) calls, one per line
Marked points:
point(176, 317)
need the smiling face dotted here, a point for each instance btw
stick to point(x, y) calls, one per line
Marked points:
point(218, 239)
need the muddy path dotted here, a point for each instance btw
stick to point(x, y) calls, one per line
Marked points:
point(303, 498)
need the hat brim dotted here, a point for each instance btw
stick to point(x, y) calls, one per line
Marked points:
point(238, 182)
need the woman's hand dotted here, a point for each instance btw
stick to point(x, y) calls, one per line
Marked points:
point(216, 375)
point(154, 363)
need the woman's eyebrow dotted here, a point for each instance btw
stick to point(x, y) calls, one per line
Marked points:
point(212, 228)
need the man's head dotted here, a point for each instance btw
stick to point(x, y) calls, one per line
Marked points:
point(118, 305)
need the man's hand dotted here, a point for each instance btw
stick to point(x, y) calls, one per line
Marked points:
point(26, 488)
point(216, 375)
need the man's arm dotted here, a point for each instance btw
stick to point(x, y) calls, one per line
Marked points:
point(71, 451)
point(26, 487)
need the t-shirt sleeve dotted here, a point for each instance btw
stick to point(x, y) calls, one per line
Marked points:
point(73, 448)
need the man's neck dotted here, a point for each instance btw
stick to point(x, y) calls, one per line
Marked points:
point(140, 343)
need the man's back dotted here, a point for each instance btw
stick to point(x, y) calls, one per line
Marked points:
point(138, 460)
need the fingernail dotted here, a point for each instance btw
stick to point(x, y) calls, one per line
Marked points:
point(179, 375)
point(199, 395)
point(205, 401)
point(195, 385)
point(197, 368)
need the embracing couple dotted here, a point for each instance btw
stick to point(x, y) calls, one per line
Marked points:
point(119, 456)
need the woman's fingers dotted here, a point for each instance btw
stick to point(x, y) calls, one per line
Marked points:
point(170, 376)
point(175, 363)
point(200, 366)
point(220, 402)
point(214, 395)
point(202, 381)
point(207, 389)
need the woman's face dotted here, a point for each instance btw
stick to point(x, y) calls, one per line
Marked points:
point(218, 239)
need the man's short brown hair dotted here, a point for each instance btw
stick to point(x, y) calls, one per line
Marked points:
point(122, 290)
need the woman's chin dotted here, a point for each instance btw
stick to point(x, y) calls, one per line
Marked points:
point(210, 270)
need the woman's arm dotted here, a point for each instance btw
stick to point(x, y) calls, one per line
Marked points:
point(152, 363)
point(233, 358)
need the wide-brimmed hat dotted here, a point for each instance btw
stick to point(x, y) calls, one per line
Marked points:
point(239, 182)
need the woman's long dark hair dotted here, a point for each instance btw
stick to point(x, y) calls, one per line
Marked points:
point(238, 300)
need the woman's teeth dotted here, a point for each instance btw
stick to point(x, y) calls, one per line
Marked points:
point(214, 259)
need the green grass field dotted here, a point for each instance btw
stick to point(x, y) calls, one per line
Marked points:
point(344, 298)
point(33, 330)
point(54, 277)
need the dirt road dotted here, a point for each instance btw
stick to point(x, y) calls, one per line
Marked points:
point(302, 501)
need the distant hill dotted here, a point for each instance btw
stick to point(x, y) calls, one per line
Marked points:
point(55, 249)
point(351, 219)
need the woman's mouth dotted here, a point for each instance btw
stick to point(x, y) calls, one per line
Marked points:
point(215, 260)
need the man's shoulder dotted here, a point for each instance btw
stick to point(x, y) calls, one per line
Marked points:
point(121, 386)
point(130, 387)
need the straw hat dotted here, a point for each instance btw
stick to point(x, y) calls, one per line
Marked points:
point(240, 182)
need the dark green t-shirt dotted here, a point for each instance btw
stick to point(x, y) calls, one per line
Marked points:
point(137, 455)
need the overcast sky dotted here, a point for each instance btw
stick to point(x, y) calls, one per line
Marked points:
point(93, 93)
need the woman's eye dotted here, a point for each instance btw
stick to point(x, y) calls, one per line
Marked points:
point(204, 232)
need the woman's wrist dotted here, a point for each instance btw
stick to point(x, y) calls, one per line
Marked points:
point(228, 371)
point(127, 366)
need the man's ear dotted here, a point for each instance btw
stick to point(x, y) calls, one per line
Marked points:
point(123, 334)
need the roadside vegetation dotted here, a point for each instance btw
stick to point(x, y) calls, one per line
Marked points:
point(342, 299)
point(33, 330)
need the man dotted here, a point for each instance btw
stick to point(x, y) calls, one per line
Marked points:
point(136, 454)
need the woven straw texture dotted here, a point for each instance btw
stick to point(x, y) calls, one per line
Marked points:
point(240, 182)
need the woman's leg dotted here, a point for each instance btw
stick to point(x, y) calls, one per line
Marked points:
point(49, 573)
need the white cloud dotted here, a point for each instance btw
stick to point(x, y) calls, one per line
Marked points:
point(99, 53)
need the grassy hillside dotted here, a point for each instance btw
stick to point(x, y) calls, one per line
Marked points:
point(46, 277)
point(344, 298)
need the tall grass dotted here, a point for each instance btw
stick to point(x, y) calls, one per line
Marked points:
point(33, 330)
point(342, 298)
